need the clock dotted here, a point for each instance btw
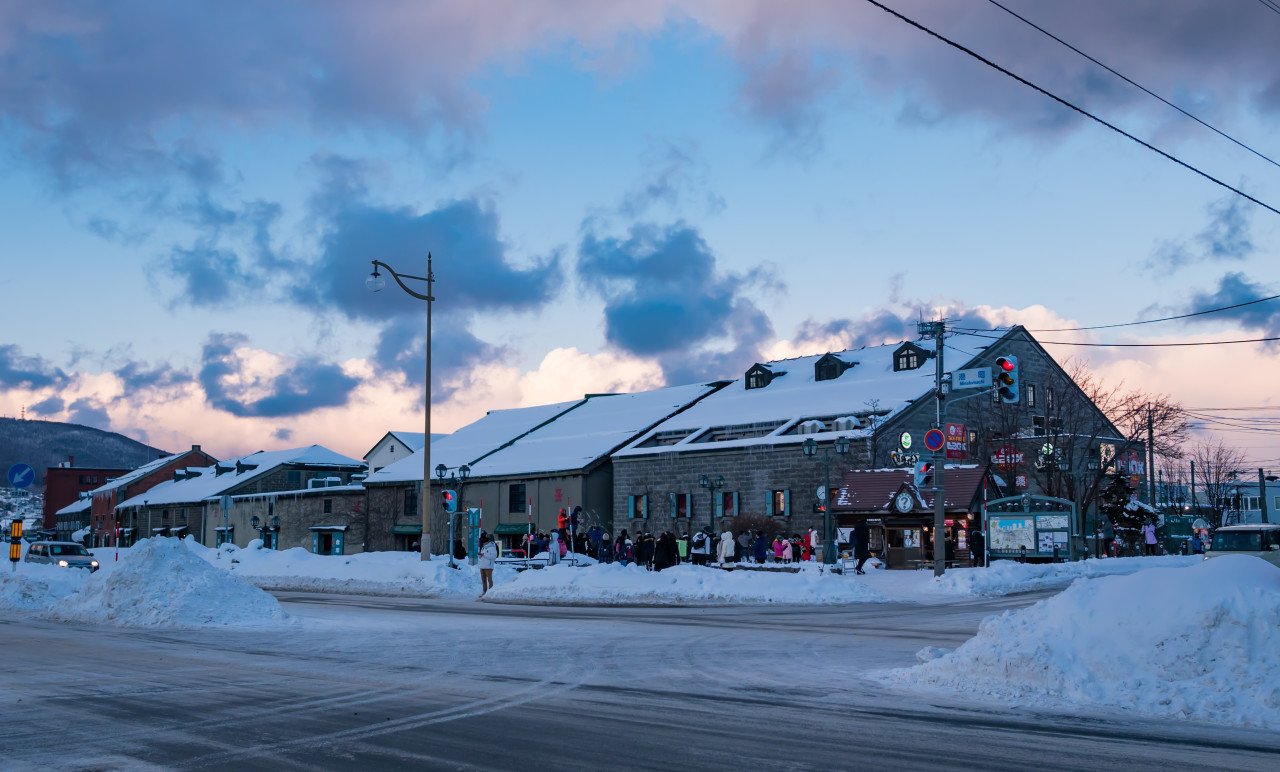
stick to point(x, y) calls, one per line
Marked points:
point(903, 502)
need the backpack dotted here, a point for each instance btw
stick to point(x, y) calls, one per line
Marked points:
point(699, 540)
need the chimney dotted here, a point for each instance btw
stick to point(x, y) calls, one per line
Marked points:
point(195, 448)
point(71, 461)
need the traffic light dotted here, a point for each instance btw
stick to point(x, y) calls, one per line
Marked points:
point(923, 473)
point(1007, 379)
point(449, 500)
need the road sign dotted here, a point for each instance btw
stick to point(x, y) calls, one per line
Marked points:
point(934, 439)
point(225, 504)
point(21, 475)
point(975, 378)
point(821, 493)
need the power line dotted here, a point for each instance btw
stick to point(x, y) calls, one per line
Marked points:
point(1071, 105)
point(1137, 345)
point(1134, 324)
point(1271, 5)
point(1131, 82)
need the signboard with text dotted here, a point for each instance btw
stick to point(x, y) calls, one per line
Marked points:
point(957, 441)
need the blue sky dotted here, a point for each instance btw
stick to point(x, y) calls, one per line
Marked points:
point(617, 197)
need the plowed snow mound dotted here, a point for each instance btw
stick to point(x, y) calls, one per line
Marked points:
point(160, 583)
point(1201, 643)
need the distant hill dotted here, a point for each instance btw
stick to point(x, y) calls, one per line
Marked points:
point(43, 444)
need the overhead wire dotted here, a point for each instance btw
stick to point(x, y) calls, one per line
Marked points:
point(1133, 83)
point(1134, 324)
point(1139, 345)
point(1070, 105)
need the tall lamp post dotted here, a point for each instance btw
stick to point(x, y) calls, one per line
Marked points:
point(456, 480)
point(712, 485)
point(810, 448)
point(376, 283)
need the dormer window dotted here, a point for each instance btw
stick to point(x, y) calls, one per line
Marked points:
point(909, 357)
point(830, 367)
point(392, 448)
point(759, 376)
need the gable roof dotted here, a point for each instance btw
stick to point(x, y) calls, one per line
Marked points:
point(774, 410)
point(873, 490)
point(139, 473)
point(590, 431)
point(206, 484)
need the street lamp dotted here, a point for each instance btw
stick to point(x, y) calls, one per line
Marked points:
point(376, 283)
point(810, 448)
point(712, 485)
point(464, 472)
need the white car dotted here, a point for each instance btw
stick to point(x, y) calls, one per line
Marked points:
point(64, 554)
point(1261, 541)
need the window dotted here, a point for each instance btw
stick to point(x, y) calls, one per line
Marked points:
point(638, 507)
point(182, 514)
point(164, 515)
point(681, 504)
point(517, 498)
point(328, 506)
point(88, 479)
point(293, 478)
point(1037, 425)
point(727, 506)
point(410, 502)
point(1055, 425)
point(1031, 395)
point(392, 448)
point(758, 377)
point(225, 535)
point(779, 503)
point(1048, 401)
point(1277, 504)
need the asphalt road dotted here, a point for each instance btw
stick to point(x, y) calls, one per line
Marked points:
point(378, 683)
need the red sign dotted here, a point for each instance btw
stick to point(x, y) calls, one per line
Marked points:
point(957, 441)
point(1006, 455)
point(934, 440)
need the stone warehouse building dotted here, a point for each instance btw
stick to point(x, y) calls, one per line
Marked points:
point(190, 503)
point(526, 464)
point(740, 450)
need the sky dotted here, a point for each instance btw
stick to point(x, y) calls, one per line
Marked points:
point(617, 196)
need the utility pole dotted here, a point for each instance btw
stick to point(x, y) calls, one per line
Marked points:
point(938, 330)
point(1195, 508)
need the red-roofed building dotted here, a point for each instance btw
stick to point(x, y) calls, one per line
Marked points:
point(900, 514)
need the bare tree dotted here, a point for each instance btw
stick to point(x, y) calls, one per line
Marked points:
point(1219, 469)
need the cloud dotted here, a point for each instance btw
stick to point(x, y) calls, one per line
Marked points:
point(88, 412)
point(18, 370)
point(664, 298)
point(247, 383)
point(51, 405)
point(1235, 288)
point(1226, 237)
point(675, 173)
point(136, 377)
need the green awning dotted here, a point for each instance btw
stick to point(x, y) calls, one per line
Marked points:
point(407, 530)
point(511, 529)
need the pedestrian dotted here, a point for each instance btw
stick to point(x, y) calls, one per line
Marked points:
point(788, 550)
point(700, 548)
point(604, 553)
point(682, 547)
point(760, 548)
point(725, 548)
point(778, 548)
point(644, 550)
point(811, 544)
point(977, 546)
point(861, 538)
point(664, 552)
point(1149, 541)
point(553, 549)
point(743, 552)
point(488, 554)
point(622, 549)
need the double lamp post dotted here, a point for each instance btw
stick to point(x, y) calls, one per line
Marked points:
point(810, 448)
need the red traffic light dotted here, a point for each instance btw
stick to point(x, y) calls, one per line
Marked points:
point(447, 495)
point(1006, 364)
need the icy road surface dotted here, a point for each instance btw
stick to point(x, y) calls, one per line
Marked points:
point(395, 683)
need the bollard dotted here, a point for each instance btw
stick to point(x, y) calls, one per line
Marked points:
point(15, 542)
point(1022, 557)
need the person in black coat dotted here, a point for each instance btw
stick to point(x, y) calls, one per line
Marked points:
point(664, 552)
point(861, 538)
point(976, 544)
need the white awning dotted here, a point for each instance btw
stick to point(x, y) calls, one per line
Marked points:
point(224, 528)
point(328, 528)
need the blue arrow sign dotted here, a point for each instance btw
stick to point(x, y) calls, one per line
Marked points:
point(21, 475)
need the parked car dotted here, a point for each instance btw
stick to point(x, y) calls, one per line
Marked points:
point(1261, 541)
point(66, 554)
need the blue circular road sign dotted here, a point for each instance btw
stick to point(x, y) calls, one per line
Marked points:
point(934, 440)
point(21, 475)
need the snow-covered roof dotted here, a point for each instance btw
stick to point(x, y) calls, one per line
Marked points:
point(137, 474)
point(75, 507)
point(208, 484)
point(588, 432)
point(736, 416)
point(472, 442)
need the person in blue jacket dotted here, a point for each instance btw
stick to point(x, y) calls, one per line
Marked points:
point(760, 547)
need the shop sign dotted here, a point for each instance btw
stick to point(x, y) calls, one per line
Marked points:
point(957, 441)
point(1007, 455)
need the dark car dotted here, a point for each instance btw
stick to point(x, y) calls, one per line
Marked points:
point(65, 554)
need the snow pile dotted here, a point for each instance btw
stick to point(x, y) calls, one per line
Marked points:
point(37, 587)
point(1199, 643)
point(160, 583)
point(1005, 577)
point(366, 573)
point(613, 584)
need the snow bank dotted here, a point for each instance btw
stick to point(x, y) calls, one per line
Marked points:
point(1005, 577)
point(366, 573)
point(614, 584)
point(1199, 643)
point(160, 583)
point(37, 587)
